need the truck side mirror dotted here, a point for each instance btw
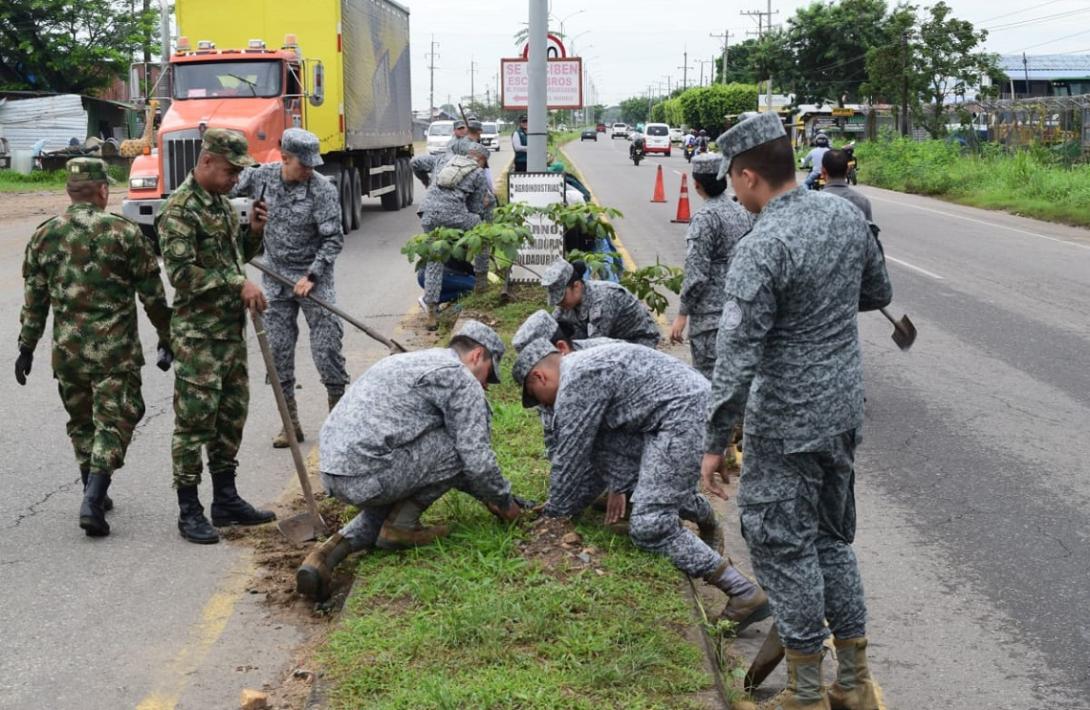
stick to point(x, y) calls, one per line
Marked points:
point(317, 84)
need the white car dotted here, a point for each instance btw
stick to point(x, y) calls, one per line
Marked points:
point(439, 134)
point(657, 138)
point(490, 136)
point(619, 129)
point(676, 135)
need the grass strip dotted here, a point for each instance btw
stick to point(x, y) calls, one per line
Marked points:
point(49, 180)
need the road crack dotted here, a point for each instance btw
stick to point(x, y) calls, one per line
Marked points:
point(34, 508)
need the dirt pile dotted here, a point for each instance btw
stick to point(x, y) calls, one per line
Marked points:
point(556, 546)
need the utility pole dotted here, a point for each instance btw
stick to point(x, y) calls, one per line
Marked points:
point(1025, 68)
point(702, 62)
point(726, 43)
point(761, 29)
point(904, 83)
point(669, 89)
point(164, 58)
point(472, 80)
point(538, 98)
point(685, 70)
point(432, 56)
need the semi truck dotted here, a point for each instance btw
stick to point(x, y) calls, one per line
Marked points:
point(338, 68)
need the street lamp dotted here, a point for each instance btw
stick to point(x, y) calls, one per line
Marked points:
point(577, 12)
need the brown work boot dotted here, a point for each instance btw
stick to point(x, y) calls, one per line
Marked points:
point(748, 610)
point(403, 529)
point(334, 398)
point(804, 690)
point(281, 440)
point(313, 578)
point(854, 688)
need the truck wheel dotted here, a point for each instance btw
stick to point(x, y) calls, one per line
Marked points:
point(391, 201)
point(410, 183)
point(357, 197)
point(344, 188)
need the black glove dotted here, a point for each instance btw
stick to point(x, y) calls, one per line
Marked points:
point(166, 356)
point(22, 365)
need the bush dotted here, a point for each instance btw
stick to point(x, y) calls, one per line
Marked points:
point(706, 106)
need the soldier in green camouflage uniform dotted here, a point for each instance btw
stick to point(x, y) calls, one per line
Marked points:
point(205, 250)
point(86, 265)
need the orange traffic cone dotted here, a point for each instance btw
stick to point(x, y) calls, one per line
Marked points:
point(660, 188)
point(683, 202)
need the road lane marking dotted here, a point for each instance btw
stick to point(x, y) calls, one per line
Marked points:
point(626, 257)
point(984, 222)
point(907, 265)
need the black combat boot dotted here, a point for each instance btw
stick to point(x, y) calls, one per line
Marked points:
point(107, 502)
point(314, 576)
point(228, 508)
point(92, 512)
point(191, 521)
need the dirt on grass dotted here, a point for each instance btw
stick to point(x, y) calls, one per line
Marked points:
point(555, 545)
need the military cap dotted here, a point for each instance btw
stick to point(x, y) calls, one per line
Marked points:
point(750, 133)
point(706, 164)
point(534, 352)
point(303, 145)
point(522, 118)
point(555, 280)
point(475, 147)
point(82, 170)
point(539, 325)
point(474, 125)
point(481, 334)
point(228, 143)
point(459, 124)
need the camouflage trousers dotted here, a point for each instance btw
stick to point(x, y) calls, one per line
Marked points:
point(211, 400)
point(326, 334)
point(103, 411)
point(702, 346)
point(615, 467)
point(798, 517)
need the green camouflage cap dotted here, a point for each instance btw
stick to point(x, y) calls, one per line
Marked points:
point(81, 170)
point(230, 144)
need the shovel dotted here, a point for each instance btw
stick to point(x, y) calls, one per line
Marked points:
point(904, 333)
point(308, 525)
point(766, 660)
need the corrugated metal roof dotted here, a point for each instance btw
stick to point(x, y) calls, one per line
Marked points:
point(1045, 67)
point(54, 118)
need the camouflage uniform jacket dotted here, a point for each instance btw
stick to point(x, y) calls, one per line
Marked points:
point(403, 397)
point(204, 252)
point(714, 233)
point(609, 310)
point(789, 336)
point(303, 235)
point(546, 411)
point(86, 264)
point(472, 195)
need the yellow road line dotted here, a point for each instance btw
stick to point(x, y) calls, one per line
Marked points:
point(626, 257)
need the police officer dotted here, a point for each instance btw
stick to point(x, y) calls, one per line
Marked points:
point(204, 253)
point(86, 265)
point(520, 144)
point(788, 353)
point(413, 427)
point(630, 389)
point(597, 309)
point(302, 240)
point(713, 234)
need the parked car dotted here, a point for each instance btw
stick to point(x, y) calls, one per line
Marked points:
point(490, 136)
point(439, 134)
point(619, 130)
point(601, 128)
point(589, 134)
point(657, 136)
point(676, 136)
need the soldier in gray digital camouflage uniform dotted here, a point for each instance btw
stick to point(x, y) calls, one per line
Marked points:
point(413, 427)
point(424, 166)
point(302, 240)
point(640, 392)
point(597, 309)
point(788, 353)
point(713, 233)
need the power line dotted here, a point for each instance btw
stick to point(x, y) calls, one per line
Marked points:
point(1019, 12)
point(1035, 20)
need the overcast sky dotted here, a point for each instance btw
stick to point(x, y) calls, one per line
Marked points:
point(629, 45)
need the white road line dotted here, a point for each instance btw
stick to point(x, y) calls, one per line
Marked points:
point(678, 172)
point(907, 265)
point(984, 222)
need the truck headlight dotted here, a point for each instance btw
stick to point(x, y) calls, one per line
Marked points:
point(149, 182)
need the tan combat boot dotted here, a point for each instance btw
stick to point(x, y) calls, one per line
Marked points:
point(854, 688)
point(804, 690)
point(281, 439)
point(313, 578)
point(403, 529)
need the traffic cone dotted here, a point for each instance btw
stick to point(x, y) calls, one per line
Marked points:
point(683, 202)
point(660, 188)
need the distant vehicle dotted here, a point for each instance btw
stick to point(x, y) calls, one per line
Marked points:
point(490, 136)
point(676, 135)
point(439, 134)
point(658, 138)
point(562, 127)
point(589, 134)
point(619, 129)
point(601, 128)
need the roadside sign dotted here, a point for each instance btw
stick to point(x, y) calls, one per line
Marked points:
point(842, 112)
point(554, 48)
point(565, 83)
point(537, 190)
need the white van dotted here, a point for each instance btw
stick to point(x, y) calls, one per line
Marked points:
point(439, 134)
point(656, 138)
point(490, 135)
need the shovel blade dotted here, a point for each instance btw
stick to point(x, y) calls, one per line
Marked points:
point(301, 528)
point(768, 657)
point(904, 333)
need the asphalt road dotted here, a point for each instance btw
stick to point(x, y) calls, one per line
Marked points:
point(972, 479)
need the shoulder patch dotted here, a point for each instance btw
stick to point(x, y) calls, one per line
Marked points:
point(179, 248)
point(732, 316)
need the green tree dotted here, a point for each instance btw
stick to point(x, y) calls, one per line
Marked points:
point(634, 110)
point(707, 107)
point(740, 64)
point(69, 46)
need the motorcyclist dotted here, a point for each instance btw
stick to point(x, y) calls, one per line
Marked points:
point(813, 159)
point(690, 143)
point(639, 142)
point(702, 141)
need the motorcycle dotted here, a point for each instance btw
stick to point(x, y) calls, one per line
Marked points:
point(636, 151)
point(853, 176)
point(690, 151)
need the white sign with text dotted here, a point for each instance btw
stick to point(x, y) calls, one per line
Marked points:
point(537, 190)
point(564, 82)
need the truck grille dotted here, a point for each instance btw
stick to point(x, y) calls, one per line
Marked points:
point(179, 158)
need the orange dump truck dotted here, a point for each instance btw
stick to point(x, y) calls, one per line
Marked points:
point(338, 68)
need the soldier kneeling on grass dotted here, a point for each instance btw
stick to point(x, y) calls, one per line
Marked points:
point(415, 426)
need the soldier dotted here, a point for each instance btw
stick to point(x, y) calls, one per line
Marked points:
point(86, 265)
point(640, 392)
point(597, 309)
point(410, 429)
point(713, 234)
point(205, 251)
point(302, 240)
point(425, 166)
point(788, 353)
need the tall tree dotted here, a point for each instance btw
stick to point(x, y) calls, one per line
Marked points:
point(740, 64)
point(69, 46)
point(634, 110)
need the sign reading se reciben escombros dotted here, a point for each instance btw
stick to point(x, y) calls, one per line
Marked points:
point(564, 83)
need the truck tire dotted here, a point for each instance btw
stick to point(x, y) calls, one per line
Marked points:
point(406, 183)
point(344, 188)
point(357, 197)
point(391, 201)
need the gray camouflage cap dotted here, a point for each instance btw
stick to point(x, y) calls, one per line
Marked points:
point(534, 352)
point(473, 125)
point(459, 124)
point(706, 164)
point(303, 145)
point(555, 280)
point(750, 133)
point(480, 333)
point(230, 144)
point(540, 324)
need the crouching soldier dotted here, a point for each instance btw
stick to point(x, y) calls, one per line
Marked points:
point(412, 428)
point(597, 309)
point(639, 391)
